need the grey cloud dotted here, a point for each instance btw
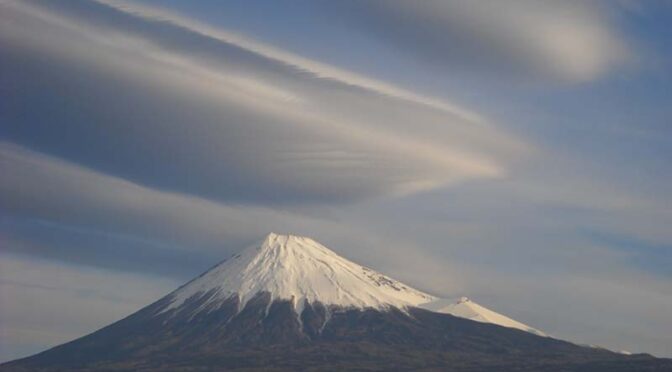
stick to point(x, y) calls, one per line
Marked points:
point(184, 109)
point(558, 40)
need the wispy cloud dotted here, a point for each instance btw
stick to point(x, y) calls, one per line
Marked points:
point(564, 40)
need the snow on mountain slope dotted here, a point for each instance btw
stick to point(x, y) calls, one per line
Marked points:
point(466, 308)
point(299, 269)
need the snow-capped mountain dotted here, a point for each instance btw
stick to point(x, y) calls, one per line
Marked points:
point(303, 271)
point(289, 303)
point(300, 270)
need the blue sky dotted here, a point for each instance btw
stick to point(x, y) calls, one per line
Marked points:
point(513, 151)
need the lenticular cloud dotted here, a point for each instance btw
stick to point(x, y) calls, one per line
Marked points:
point(213, 114)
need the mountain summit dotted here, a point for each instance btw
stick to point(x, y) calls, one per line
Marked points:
point(289, 303)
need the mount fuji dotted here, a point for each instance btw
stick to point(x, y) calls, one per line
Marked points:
point(290, 303)
point(304, 272)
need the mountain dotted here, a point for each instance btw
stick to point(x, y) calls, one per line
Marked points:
point(300, 270)
point(290, 303)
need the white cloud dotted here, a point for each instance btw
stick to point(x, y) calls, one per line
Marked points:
point(321, 70)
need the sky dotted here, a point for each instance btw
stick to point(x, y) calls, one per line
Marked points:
point(516, 152)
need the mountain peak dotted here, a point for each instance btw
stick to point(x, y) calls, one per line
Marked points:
point(299, 269)
point(276, 241)
point(272, 236)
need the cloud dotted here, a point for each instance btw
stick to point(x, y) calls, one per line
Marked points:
point(215, 116)
point(560, 40)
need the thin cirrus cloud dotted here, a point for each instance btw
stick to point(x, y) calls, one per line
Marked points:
point(570, 41)
point(225, 118)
